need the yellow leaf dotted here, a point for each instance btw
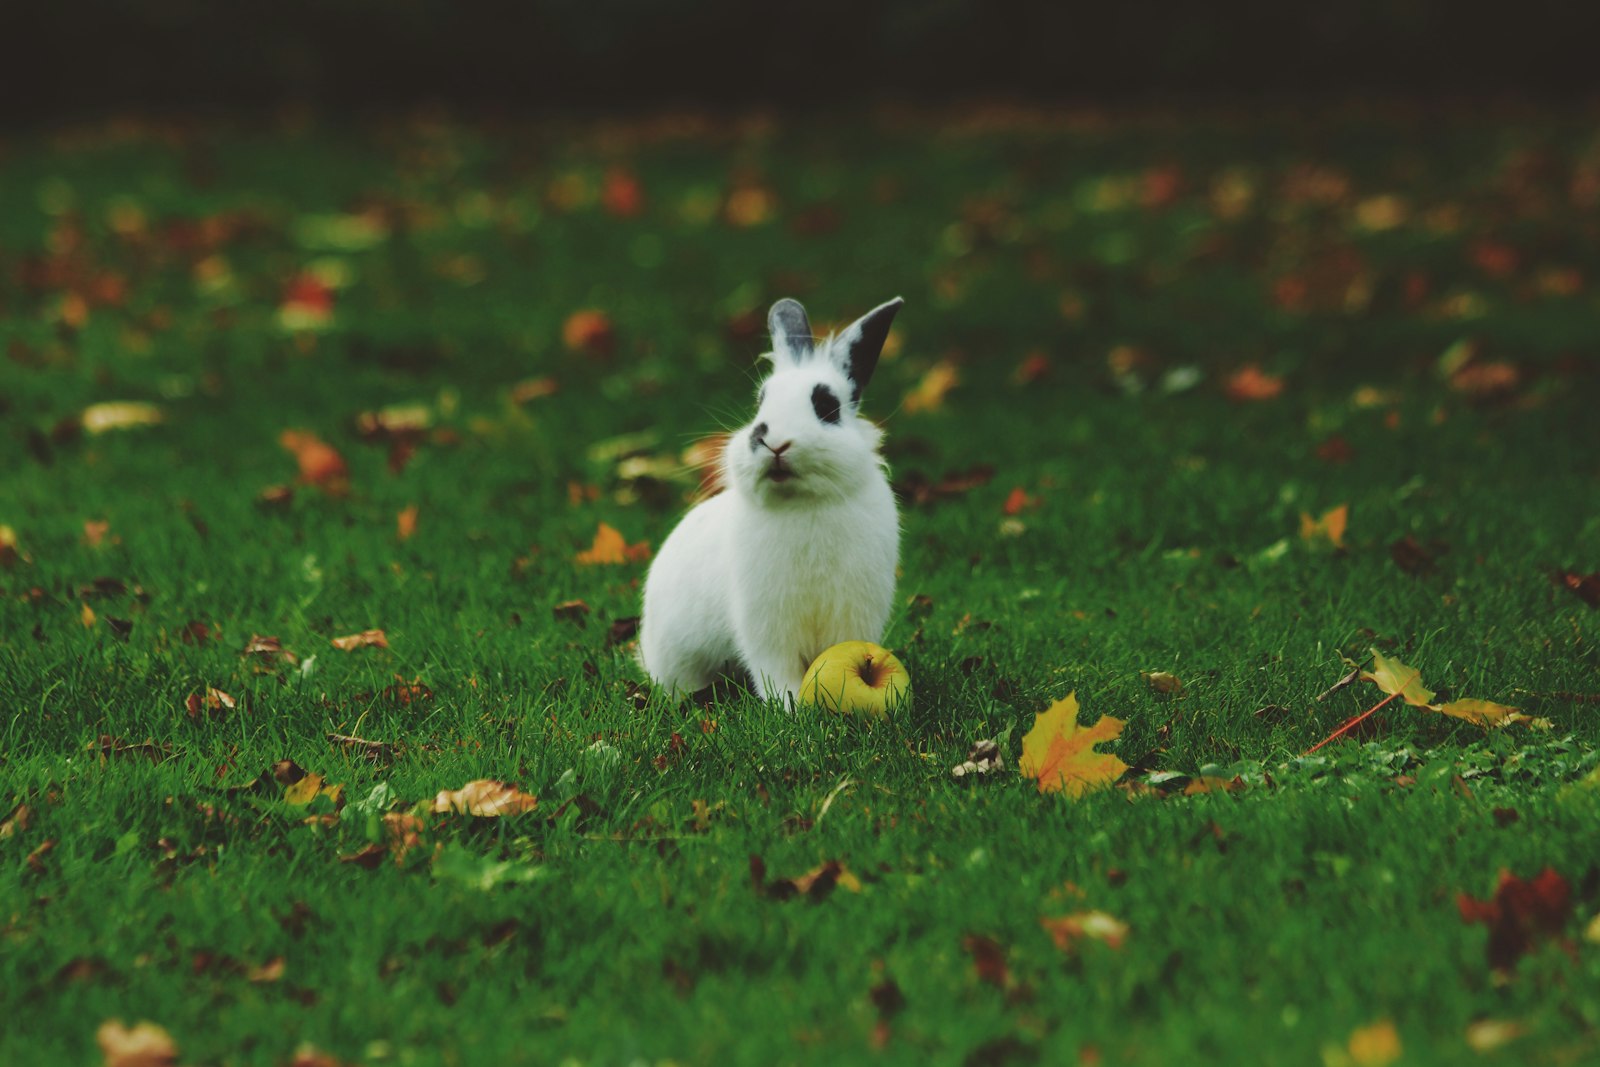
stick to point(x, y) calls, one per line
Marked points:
point(1329, 528)
point(485, 798)
point(929, 393)
point(311, 787)
point(118, 415)
point(1060, 753)
point(1377, 1045)
point(1485, 713)
point(87, 617)
point(610, 547)
point(1393, 677)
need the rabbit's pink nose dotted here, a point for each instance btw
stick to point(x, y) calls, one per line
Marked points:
point(781, 449)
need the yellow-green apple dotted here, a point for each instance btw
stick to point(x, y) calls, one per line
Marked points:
point(857, 677)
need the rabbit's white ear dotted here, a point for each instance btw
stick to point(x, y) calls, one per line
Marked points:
point(791, 331)
point(856, 350)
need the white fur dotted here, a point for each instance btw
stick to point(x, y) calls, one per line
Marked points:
point(768, 574)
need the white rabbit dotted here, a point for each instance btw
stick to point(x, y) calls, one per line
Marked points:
point(798, 552)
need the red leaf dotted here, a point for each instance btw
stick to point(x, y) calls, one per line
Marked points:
point(1521, 914)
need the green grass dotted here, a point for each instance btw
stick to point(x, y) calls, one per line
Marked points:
point(1264, 926)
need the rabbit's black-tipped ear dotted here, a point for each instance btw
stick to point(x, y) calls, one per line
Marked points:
point(791, 330)
point(856, 350)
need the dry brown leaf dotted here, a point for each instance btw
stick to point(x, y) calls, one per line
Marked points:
point(1163, 682)
point(142, 1045)
point(364, 639)
point(214, 702)
point(405, 523)
point(1585, 586)
point(485, 798)
point(16, 822)
point(268, 648)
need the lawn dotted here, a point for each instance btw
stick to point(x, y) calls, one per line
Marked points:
point(395, 376)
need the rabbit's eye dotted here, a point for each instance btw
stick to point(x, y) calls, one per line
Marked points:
point(825, 404)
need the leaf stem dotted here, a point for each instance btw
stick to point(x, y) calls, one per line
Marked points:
point(1359, 719)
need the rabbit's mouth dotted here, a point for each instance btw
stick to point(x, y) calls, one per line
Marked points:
point(779, 473)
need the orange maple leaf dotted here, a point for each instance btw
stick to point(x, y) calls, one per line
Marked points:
point(611, 547)
point(1060, 753)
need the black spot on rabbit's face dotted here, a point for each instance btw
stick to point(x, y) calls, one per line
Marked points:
point(825, 404)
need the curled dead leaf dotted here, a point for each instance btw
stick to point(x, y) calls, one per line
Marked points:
point(485, 798)
point(364, 639)
point(215, 702)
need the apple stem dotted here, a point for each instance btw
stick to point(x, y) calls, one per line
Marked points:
point(869, 673)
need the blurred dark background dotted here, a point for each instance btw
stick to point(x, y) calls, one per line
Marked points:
point(90, 57)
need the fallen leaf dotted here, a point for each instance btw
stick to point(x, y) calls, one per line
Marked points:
point(35, 859)
point(213, 702)
point(268, 648)
point(622, 195)
point(815, 884)
point(1019, 501)
point(1521, 914)
point(985, 757)
point(1487, 1035)
point(94, 532)
point(1485, 713)
point(1394, 677)
point(1330, 528)
point(589, 332)
point(610, 547)
point(119, 415)
point(405, 523)
point(87, 617)
point(141, 1045)
point(749, 205)
point(1335, 450)
point(307, 303)
point(309, 787)
point(1059, 753)
point(1163, 682)
point(1413, 557)
point(1486, 381)
point(1585, 586)
point(1068, 930)
point(571, 611)
point(1251, 383)
point(10, 553)
point(16, 822)
point(364, 639)
point(533, 389)
point(988, 958)
point(929, 393)
point(1377, 1045)
point(485, 798)
point(320, 464)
